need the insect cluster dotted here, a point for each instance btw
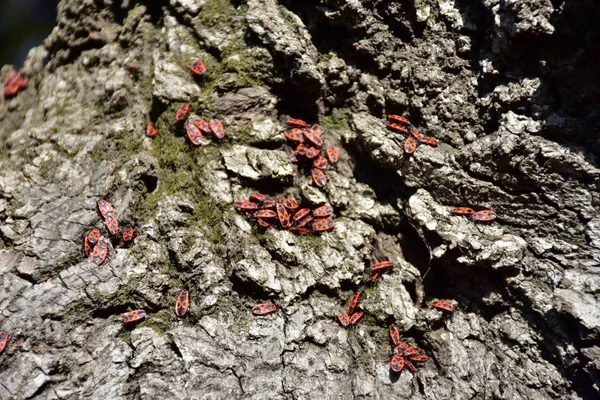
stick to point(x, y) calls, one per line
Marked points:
point(286, 214)
point(14, 83)
point(310, 149)
point(479, 216)
point(402, 125)
point(350, 317)
point(403, 354)
point(96, 249)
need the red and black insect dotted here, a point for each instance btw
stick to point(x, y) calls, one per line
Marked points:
point(333, 154)
point(14, 83)
point(344, 319)
point(264, 308)
point(398, 119)
point(462, 211)
point(105, 207)
point(419, 358)
point(428, 140)
point(296, 122)
point(442, 305)
point(93, 236)
point(283, 215)
point(353, 302)
point(300, 231)
point(301, 149)
point(151, 130)
point(396, 127)
point(312, 152)
point(400, 348)
point(304, 221)
point(293, 157)
point(397, 363)
point(87, 248)
point(245, 205)
point(133, 69)
point(203, 125)
point(257, 197)
point(99, 253)
point(410, 145)
point(484, 216)
point(321, 225)
point(194, 134)
point(268, 203)
point(183, 303)
point(320, 162)
point(323, 211)
point(263, 223)
point(319, 177)
point(381, 265)
point(265, 214)
point(416, 135)
point(134, 316)
point(198, 68)
point(182, 113)
point(313, 136)
point(317, 130)
point(290, 204)
point(301, 214)
point(294, 134)
point(127, 237)
point(217, 128)
point(111, 222)
point(3, 340)
point(355, 317)
point(394, 335)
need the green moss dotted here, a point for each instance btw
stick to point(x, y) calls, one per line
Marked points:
point(333, 123)
point(160, 321)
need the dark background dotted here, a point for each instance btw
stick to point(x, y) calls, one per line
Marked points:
point(24, 24)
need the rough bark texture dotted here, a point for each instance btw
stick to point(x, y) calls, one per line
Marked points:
point(511, 90)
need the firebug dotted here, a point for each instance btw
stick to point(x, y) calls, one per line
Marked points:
point(203, 125)
point(99, 253)
point(194, 134)
point(484, 215)
point(297, 123)
point(313, 136)
point(318, 177)
point(304, 221)
point(323, 211)
point(257, 197)
point(442, 305)
point(127, 236)
point(245, 205)
point(333, 154)
point(183, 303)
point(312, 152)
point(3, 340)
point(294, 134)
point(462, 211)
point(397, 363)
point(428, 140)
point(198, 68)
point(268, 203)
point(394, 335)
point(265, 214)
point(410, 145)
point(217, 128)
point(93, 236)
point(134, 316)
point(282, 214)
point(182, 113)
point(398, 119)
point(264, 308)
point(320, 162)
point(111, 222)
point(151, 130)
point(396, 127)
point(105, 207)
point(321, 225)
point(301, 214)
point(381, 265)
point(290, 204)
point(353, 302)
point(355, 317)
point(344, 319)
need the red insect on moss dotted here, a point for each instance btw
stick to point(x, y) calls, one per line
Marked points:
point(245, 205)
point(105, 207)
point(322, 225)
point(462, 211)
point(398, 119)
point(296, 122)
point(419, 358)
point(318, 177)
point(268, 203)
point(99, 253)
point(301, 214)
point(313, 136)
point(396, 127)
point(323, 211)
point(397, 363)
point(217, 128)
point(93, 236)
point(111, 222)
point(428, 140)
point(263, 223)
point(194, 134)
point(3, 340)
point(381, 265)
point(410, 145)
point(151, 130)
point(14, 83)
point(264, 308)
point(294, 135)
point(304, 221)
point(442, 305)
point(354, 318)
point(257, 197)
point(182, 113)
point(290, 204)
point(394, 335)
point(283, 215)
point(127, 237)
point(333, 154)
point(320, 162)
point(183, 303)
point(265, 214)
point(484, 216)
point(202, 124)
point(353, 302)
point(198, 68)
point(134, 316)
point(344, 319)
point(312, 152)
